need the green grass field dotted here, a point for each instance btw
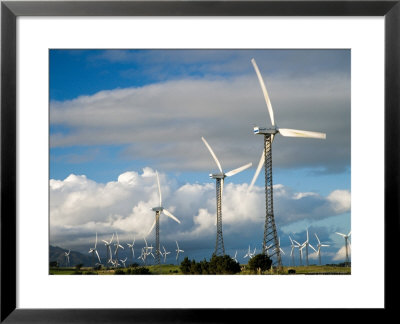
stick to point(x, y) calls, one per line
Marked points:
point(169, 269)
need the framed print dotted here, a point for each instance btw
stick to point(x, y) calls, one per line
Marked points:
point(111, 115)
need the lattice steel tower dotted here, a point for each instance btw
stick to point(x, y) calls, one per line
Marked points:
point(219, 242)
point(270, 233)
point(219, 177)
point(157, 256)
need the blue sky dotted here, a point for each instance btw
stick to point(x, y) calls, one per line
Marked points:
point(116, 116)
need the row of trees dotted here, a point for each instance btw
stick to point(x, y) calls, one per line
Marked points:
point(224, 265)
point(217, 265)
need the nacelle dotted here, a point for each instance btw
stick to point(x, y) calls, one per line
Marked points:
point(259, 130)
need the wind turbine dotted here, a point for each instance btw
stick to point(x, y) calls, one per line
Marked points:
point(165, 254)
point(108, 247)
point(267, 250)
point(156, 223)
point(234, 258)
point(346, 237)
point(94, 250)
point(123, 261)
point(67, 257)
point(219, 178)
point(279, 240)
point(266, 160)
point(291, 251)
point(248, 254)
point(307, 244)
point(319, 248)
point(300, 247)
point(253, 254)
point(178, 251)
point(117, 246)
point(130, 246)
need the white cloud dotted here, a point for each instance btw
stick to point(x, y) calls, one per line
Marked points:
point(341, 254)
point(79, 207)
point(340, 200)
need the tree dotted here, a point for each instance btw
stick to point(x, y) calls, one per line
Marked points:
point(185, 265)
point(223, 265)
point(260, 261)
point(53, 264)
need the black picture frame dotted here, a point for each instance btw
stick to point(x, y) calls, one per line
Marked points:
point(10, 10)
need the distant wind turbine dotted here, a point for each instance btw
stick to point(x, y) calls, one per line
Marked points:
point(178, 250)
point(156, 223)
point(130, 246)
point(300, 247)
point(346, 237)
point(292, 250)
point(165, 254)
point(123, 261)
point(93, 251)
point(108, 247)
point(307, 244)
point(117, 246)
point(319, 248)
point(66, 254)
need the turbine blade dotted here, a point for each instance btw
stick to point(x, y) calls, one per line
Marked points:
point(264, 90)
point(312, 247)
point(95, 244)
point(349, 233)
point(301, 133)
point(98, 256)
point(340, 234)
point(317, 238)
point(167, 213)
point(213, 154)
point(112, 238)
point(222, 187)
point(260, 165)
point(159, 188)
point(233, 172)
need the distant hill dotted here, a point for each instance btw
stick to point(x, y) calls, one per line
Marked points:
point(57, 254)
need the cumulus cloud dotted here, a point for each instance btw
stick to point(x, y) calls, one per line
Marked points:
point(341, 254)
point(79, 207)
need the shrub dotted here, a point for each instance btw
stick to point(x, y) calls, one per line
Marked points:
point(223, 265)
point(260, 261)
point(53, 264)
point(90, 273)
point(217, 265)
point(79, 266)
point(291, 271)
point(119, 272)
point(140, 270)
